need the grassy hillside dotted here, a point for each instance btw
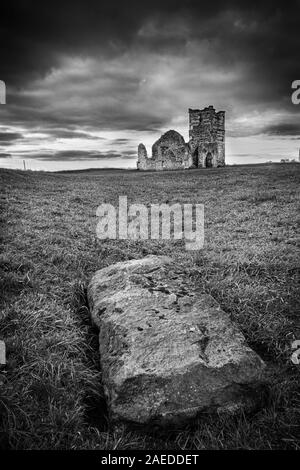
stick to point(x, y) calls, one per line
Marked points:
point(50, 391)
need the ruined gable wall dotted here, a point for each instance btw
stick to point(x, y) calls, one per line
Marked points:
point(169, 152)
point(144, 163)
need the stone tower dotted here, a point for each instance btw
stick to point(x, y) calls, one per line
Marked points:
point(207, 137)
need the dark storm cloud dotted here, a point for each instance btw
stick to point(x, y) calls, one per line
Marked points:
point(77, 155)
point(129, 153)
point(138, 64)
point(35, 34)
point(5, 155)
point(6, 137)
point(283, 129)
point(120, 141)
point(71, 134)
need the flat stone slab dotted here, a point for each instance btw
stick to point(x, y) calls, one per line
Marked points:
point(167, 351)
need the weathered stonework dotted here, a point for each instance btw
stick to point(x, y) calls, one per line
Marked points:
point(169, 152)
point(167, 350)
point(206, 147)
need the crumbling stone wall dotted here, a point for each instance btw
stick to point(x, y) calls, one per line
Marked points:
point(206, 147)
point(169, 152)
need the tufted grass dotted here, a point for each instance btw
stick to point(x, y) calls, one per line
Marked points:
point(50, 390)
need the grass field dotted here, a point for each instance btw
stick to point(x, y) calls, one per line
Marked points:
point(50, 391)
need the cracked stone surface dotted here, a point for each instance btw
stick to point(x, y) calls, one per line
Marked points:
point(167, 351)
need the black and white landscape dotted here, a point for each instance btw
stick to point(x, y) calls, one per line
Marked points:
point(137, 340)
point(87, 81)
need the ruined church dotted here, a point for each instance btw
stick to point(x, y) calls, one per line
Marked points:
point(205, 149)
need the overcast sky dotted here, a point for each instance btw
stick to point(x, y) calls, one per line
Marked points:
point(88, 81)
